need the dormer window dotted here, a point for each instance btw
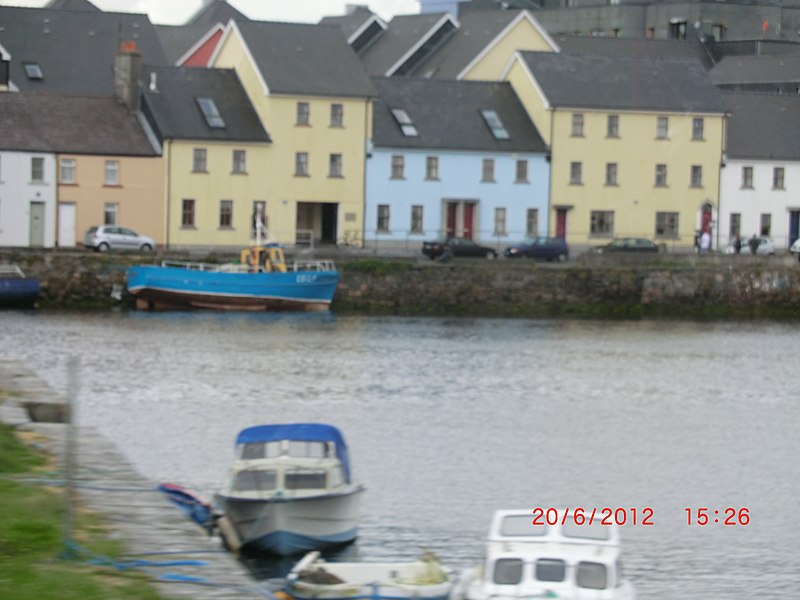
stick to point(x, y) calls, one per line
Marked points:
point(495, 124)
point(405, 122)
point(211, 113)
point(33, 71)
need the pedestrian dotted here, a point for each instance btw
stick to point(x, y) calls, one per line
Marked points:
point(737, 244)
point(753, 243)
point(705, 242)
point(445, 255)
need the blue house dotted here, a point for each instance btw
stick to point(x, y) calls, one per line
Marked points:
point(458, 158)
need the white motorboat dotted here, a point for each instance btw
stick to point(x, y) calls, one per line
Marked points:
point(567, 562)
point(315, 579)
point(290, 489)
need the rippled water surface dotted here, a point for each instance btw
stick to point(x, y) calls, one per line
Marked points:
point(450, 419)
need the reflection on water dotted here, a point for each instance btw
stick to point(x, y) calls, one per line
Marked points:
point(450, 419)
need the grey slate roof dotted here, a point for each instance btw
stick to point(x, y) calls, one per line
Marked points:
point(621, 83)
point(447, 116)
point(304, 59)
point(633, 48)
point(173, 111)
point(176, 40)
point(763, 126)
point(75, 49)
point(216, 11)
point(351, 23)
point(757, 69)
point(402, 33)
point(84, 5)
point(43, 122)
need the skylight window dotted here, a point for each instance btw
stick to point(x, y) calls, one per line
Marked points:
point(405, 122)
point(495, 124)
point(33, 71)
point(211, 112)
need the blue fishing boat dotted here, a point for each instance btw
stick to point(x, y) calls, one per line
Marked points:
point(290, 489)
point(17, 290)
point(262, 280)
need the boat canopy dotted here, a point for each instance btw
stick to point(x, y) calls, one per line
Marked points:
point(301, 432)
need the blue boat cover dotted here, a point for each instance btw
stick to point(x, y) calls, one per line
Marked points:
point(301, 432)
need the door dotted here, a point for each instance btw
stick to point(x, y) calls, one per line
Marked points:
point(36, 230)
point(66, 225)
point(468, 223)
point(330, 214)
point(451, 211)
point(794, 225)
point(561, 223)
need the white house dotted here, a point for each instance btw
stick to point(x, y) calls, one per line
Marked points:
point(27, 197)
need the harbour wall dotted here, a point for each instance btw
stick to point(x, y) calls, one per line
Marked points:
point(587, 286)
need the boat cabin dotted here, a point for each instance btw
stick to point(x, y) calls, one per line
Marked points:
point(268, 258)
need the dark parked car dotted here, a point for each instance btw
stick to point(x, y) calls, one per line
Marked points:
point(457, 247)
point(539, 247)
point(636, 245)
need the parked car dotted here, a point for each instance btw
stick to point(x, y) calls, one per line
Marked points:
point(765, 246)
point(637, 245)
point(112, 237)
point(457, 247)
point(539, 247)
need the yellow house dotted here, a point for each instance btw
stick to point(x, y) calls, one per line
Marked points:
point(217, 157)
point(636, 144)
point(315, 99)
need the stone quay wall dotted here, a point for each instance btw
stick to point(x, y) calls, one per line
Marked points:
point(588, 286)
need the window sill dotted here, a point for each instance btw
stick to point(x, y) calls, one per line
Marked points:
point(226, 228)
point(747, 187)
point(432, 179)
point(302, 175)
point(189, 227)
point(397, 178)
point(197, 172)
point(488, 181)
point(522, 181)
point(699, 139)
point(238, 172)
point(660, 185)
point(74, 184)
point(696, 187)
point(302, 124)
point(335, 176)
point(578, 183)
point(609, 184)
point(112, 185)
point(335, 126)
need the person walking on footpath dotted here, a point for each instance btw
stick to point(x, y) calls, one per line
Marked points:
point(737, 244)
point(753, 243)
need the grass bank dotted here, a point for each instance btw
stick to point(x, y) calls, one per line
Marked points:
point(34, 562)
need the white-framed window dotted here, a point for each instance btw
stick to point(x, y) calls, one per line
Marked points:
point(225, 214)
point(662, 128)
point(522, 171)
point(575, 173)
point(602, 223)
point(499, 221)
point(747, 178)
point(778, 178)
point(611, 174)
point(487, 170)
point(337, 115)
point(187, 212)
point(111, 172)
point(110, 213)
point(239, 162)
point(259, 215)
point(335, 166)
point(766, 224)
point(199, 160)
point(383, 218)
point(303, 113)
point(735, 228)
point(532, 221)
point(417, 212)
point(398, 166)
point(661, 175)
point(577, 125)
point(612, 126)
point(37, 169)
point(432, 168)
point(698, 124)
point(67, 170)
point(696, 177)
point(667, 225)
point(301, 164)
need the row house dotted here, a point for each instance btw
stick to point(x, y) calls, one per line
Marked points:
point(455, 157)
point(636, 144)
point(761, 172)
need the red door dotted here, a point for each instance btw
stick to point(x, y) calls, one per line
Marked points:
point(469, 213)
point(452, 207)
point(561, 223)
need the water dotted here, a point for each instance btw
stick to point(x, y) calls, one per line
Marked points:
point(450, 419)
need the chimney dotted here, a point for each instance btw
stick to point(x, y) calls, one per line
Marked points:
point(127, 70)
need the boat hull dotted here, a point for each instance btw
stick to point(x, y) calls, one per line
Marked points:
point(163, 287)
point(294, 526)
point(18, 292)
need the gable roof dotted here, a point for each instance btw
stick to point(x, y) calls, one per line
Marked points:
point(84, 5)
point(177, 40)
point(756, 69)
point(447, 116)
point(74, 49)
point(215, 11)
point(623, 83)
point(304, 59)
point(634, 48)
point(43, 122)
point(174, 113)
point(763, 126)
point(351, 23)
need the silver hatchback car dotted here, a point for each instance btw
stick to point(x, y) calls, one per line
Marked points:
point(113, 237)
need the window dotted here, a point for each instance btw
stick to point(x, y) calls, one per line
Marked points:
point(495, 125)
point(532, 221)
point(697, 176)
point(405, 122)
point(766, 224)
point(499, 221)
point(577, 125)
point(383, 217)
point(67, 174)
point(777, 178)
point(211, 113)
point(667, 224)
point(747, 177)
point(661, 176)
point(507, 571)
point(662, 128)
point(259, 216)
point(305, 479)
point(591, 576)
point(255, 480)
point(398, 166)
point(303, 113)
point(33, 71)
point(522, 171)
point(226, 214)
point(335, 165)
point(416, 218)
point(697, 128)
point(432, 168)
point(575, 173)
point(187, 213)
point(677, 30)
point(111, 173)
point(337, 115)
point(487, 170)
point(199, 157)
point(736, 225)
point(37, 169)
point(110, 212)
point(612, 126)
point(602, 223)
point(611, 173)
point(239, 165)
point(550, 569)
point(301, 164)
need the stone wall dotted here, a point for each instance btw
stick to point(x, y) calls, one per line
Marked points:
point(590, 286)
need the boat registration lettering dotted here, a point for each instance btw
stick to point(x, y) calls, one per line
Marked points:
point(593, 516)
point(306, 277)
